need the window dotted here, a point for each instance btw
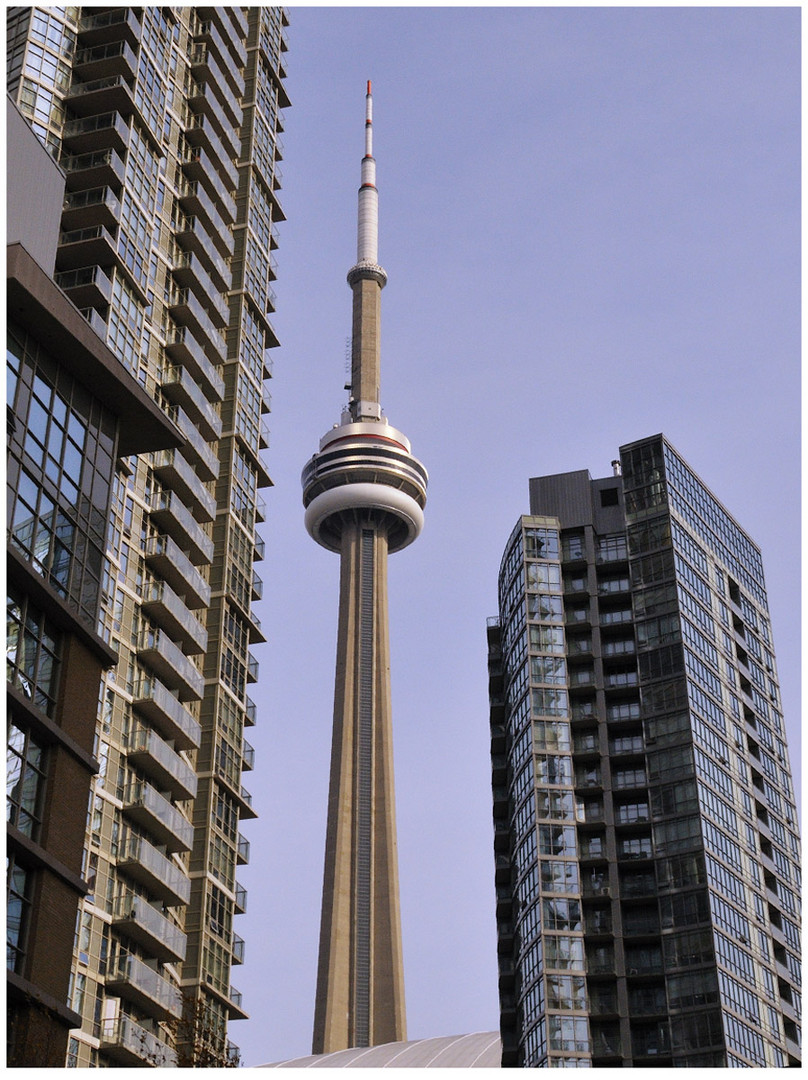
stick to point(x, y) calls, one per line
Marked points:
point(25, 781)
point(18, 902)
point(32, 651)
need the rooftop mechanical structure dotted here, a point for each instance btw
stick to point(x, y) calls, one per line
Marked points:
point(364, 495)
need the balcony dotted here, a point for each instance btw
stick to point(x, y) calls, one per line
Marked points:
point(175, 472)
point(201, 132)
point(143, 863)
point(162, 604)
point(104, 61)
point(164, 556)
point(170, 515)
point(102, 169)
point(250, 713)
point(141, 922)
point(96, 206)
point(238, 949)
point(97, 323)
point(90, 247)
point(190, 273)
point(247, 756)
point(202, 100)
point(169, 716)
point(198, 166)
point(115, 25)
point(191, 235)
point(243, 854)
point(196, 449)
point(145, 805)
point(151, 754)
point(156, 649)
point(206, 67)
point(241, 899)
point(130, 978)
point(259, 551)
point(196, 203)
point(252, 668)
point(244, 799)
point(182, 346)
point(230, 54)
point(93, 133)
point(101, 95)
point(236, 1010)
point(128, 1044)
point(88, 287)
point(185, 309)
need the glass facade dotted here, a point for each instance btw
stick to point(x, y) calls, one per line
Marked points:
point(167, 123)
point(679, 857)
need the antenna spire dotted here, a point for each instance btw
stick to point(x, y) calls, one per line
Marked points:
point(367, 248)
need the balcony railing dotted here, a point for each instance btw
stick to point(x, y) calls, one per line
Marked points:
point(157, 650)
point(196, 449)
point(133, 979)
point(169, 513)
point(90, 133)
point(90, 247)
point(87, 287)
point(154, 756)
point(167, 713)
point(144, 924)
point(127, 1043)
point(162, 604)
point(243, 856)
point(247, 755)
point(142, 862)
point(173, 470)
point(186, 309)
point(144, 804)
point(163, 555)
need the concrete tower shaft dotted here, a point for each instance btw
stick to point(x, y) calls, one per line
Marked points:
point(364, 494)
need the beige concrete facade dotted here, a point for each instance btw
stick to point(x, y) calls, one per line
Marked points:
point(360, 985)
point(366, 344)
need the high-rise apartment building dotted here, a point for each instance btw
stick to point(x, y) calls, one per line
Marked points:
point(646, 844)
point(165, 123)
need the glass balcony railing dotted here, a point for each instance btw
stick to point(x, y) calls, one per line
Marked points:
point(248, 755)
point(142, 862)
point(138, 982)
point(238, 949)
point(250, 713)
point(169, 513)
point(204, 457)
point(162, 604)
point(144, 924)
point(179, 384)
point(157, 650)
point(163, 554)
point(127, 1043)
point(155, 757)
point(158, 815)
point(173, 469)
point(166, 712)
point(243, 850)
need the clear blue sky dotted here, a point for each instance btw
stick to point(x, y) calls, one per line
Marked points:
point(590, 221)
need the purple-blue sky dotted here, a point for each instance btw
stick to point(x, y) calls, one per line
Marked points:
point(590, 221)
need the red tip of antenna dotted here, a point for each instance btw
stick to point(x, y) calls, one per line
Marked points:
point(368, 86)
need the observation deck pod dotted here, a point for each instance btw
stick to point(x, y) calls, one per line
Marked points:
point(364, 469)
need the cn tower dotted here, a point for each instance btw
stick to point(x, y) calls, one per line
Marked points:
point(364, 495)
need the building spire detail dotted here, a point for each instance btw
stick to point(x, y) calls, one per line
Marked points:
point(367, 279)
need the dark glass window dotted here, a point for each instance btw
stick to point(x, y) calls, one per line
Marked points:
point(25, 780)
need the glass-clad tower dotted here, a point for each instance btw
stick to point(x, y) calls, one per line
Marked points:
point(646, 838)
point(166, 122)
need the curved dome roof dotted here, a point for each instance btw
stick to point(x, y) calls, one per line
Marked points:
point(482, 1050)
